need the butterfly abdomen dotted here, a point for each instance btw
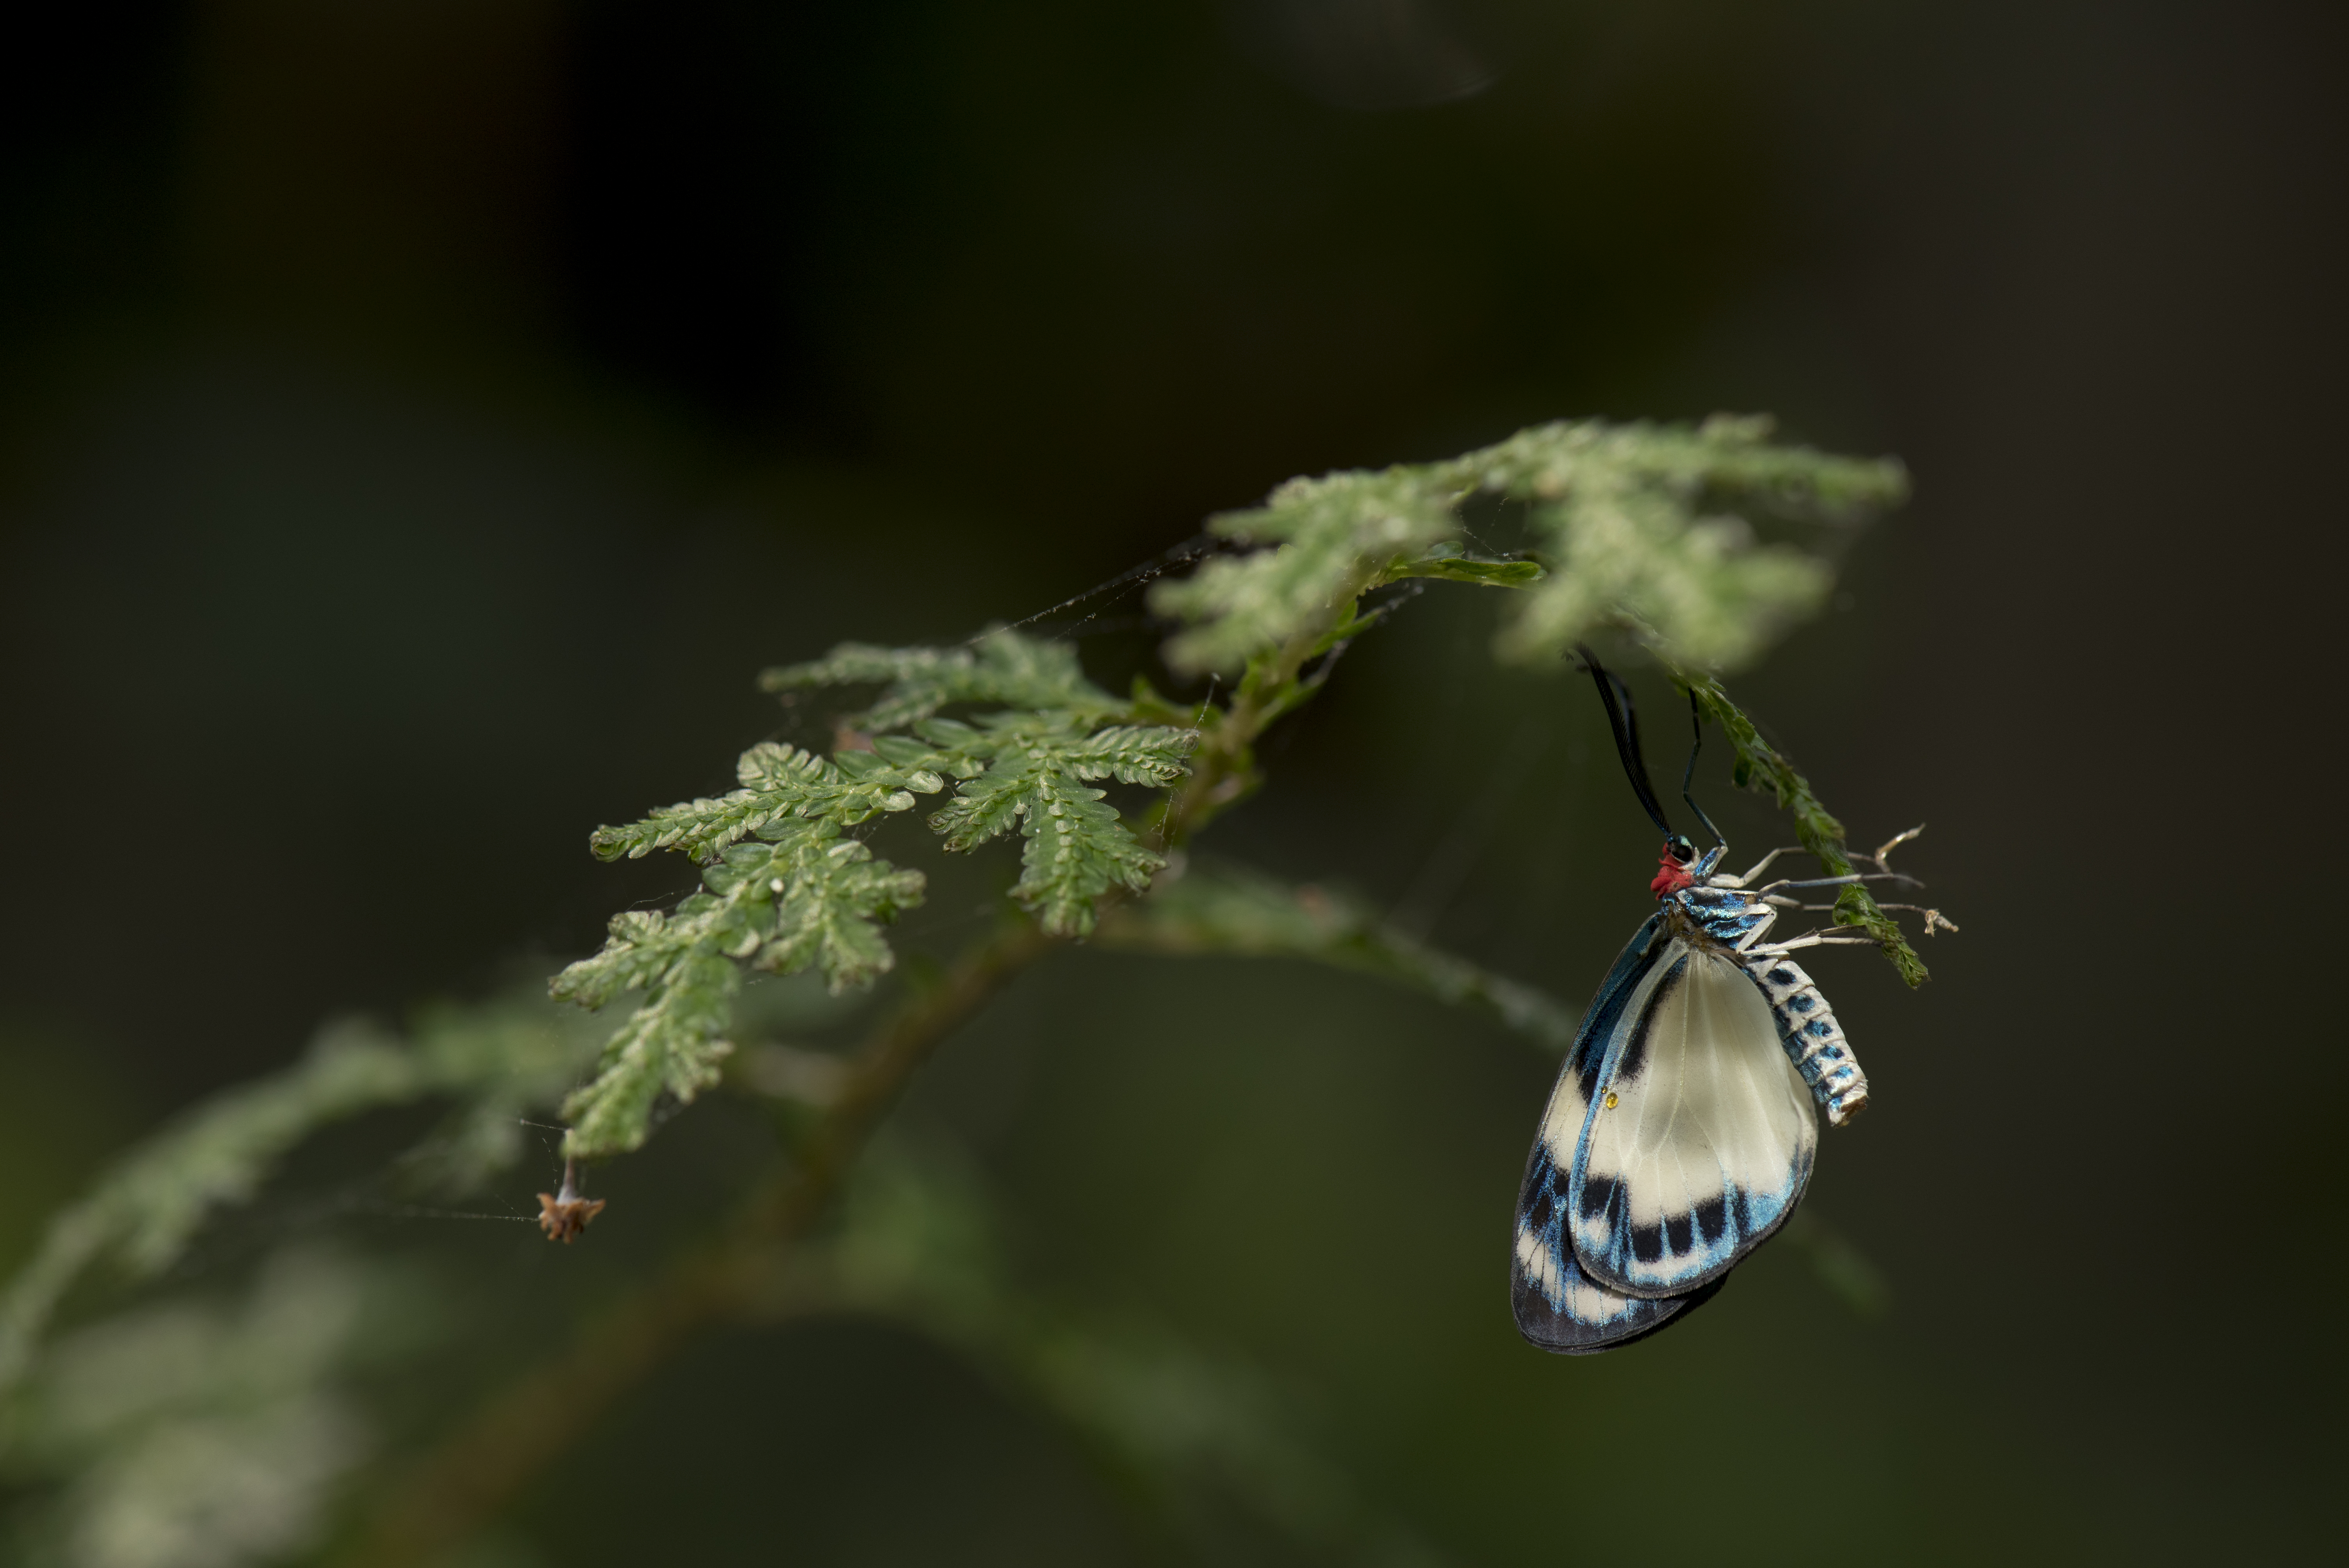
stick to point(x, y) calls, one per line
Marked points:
point(1813, 1038)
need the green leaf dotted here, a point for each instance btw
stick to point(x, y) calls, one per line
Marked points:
point(1840, 1265)
point(1643, 526)
point(834, 897)
point(1649, 527)
point(1001, 668)
point(803, 896)
point(1077, 849)
point(1469, 568)
point(780, 782)
point(1328, 537)
point(671, 1043)
point(1133, 754)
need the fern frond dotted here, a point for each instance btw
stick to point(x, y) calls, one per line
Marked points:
point(1328, 537)
point(800, 896)
point(1002, 668)
point(780, 781)
point(1077, 847)
point(1635, 529)
point(788, 892)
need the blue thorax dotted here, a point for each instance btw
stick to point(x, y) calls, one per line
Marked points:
point(1727, 915)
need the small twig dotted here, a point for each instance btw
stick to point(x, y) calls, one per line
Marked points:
point(1934, 918)
point(1892, 843)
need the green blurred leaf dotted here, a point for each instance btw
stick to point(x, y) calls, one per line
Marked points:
point(919, 1243)
point(191, 1435)
point(1328, 539)
point(1644, 526)
point(496, 1060)
point(1841, 1267)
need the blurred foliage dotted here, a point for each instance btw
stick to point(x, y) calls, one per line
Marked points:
point(1633, 531)
point(420, 415)
point(198, 1434)
point(176, 1436)
point(1192, 1434)
point(494, 1061)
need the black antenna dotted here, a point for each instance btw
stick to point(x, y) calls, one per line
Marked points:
point(1624, 720)
point(1696, 722)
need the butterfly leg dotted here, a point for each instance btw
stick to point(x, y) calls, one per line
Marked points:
point(1759, 867)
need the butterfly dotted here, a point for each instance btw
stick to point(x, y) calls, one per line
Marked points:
point(1681, 1133)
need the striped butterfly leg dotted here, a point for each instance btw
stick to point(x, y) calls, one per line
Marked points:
point(1814, 1040)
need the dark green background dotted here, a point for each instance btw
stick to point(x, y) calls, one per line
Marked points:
point(422, 419)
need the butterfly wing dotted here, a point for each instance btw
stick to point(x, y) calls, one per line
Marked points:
point(1559, 1306)
point(1708, 1143)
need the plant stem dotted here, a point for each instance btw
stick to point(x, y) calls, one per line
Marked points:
point(1224, 770)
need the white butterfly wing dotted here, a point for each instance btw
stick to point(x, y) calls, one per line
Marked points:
point(1698, 1134)
point(1557, 1305)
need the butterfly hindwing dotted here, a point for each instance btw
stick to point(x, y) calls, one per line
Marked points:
point(1559, 1306)
point(1709, 1140)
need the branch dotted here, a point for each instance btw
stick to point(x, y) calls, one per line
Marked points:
point(1760, 767)
point(1222, 909)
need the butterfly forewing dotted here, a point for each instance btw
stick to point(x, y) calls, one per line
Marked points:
point(1698, 1134)
point(1559, 1306)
